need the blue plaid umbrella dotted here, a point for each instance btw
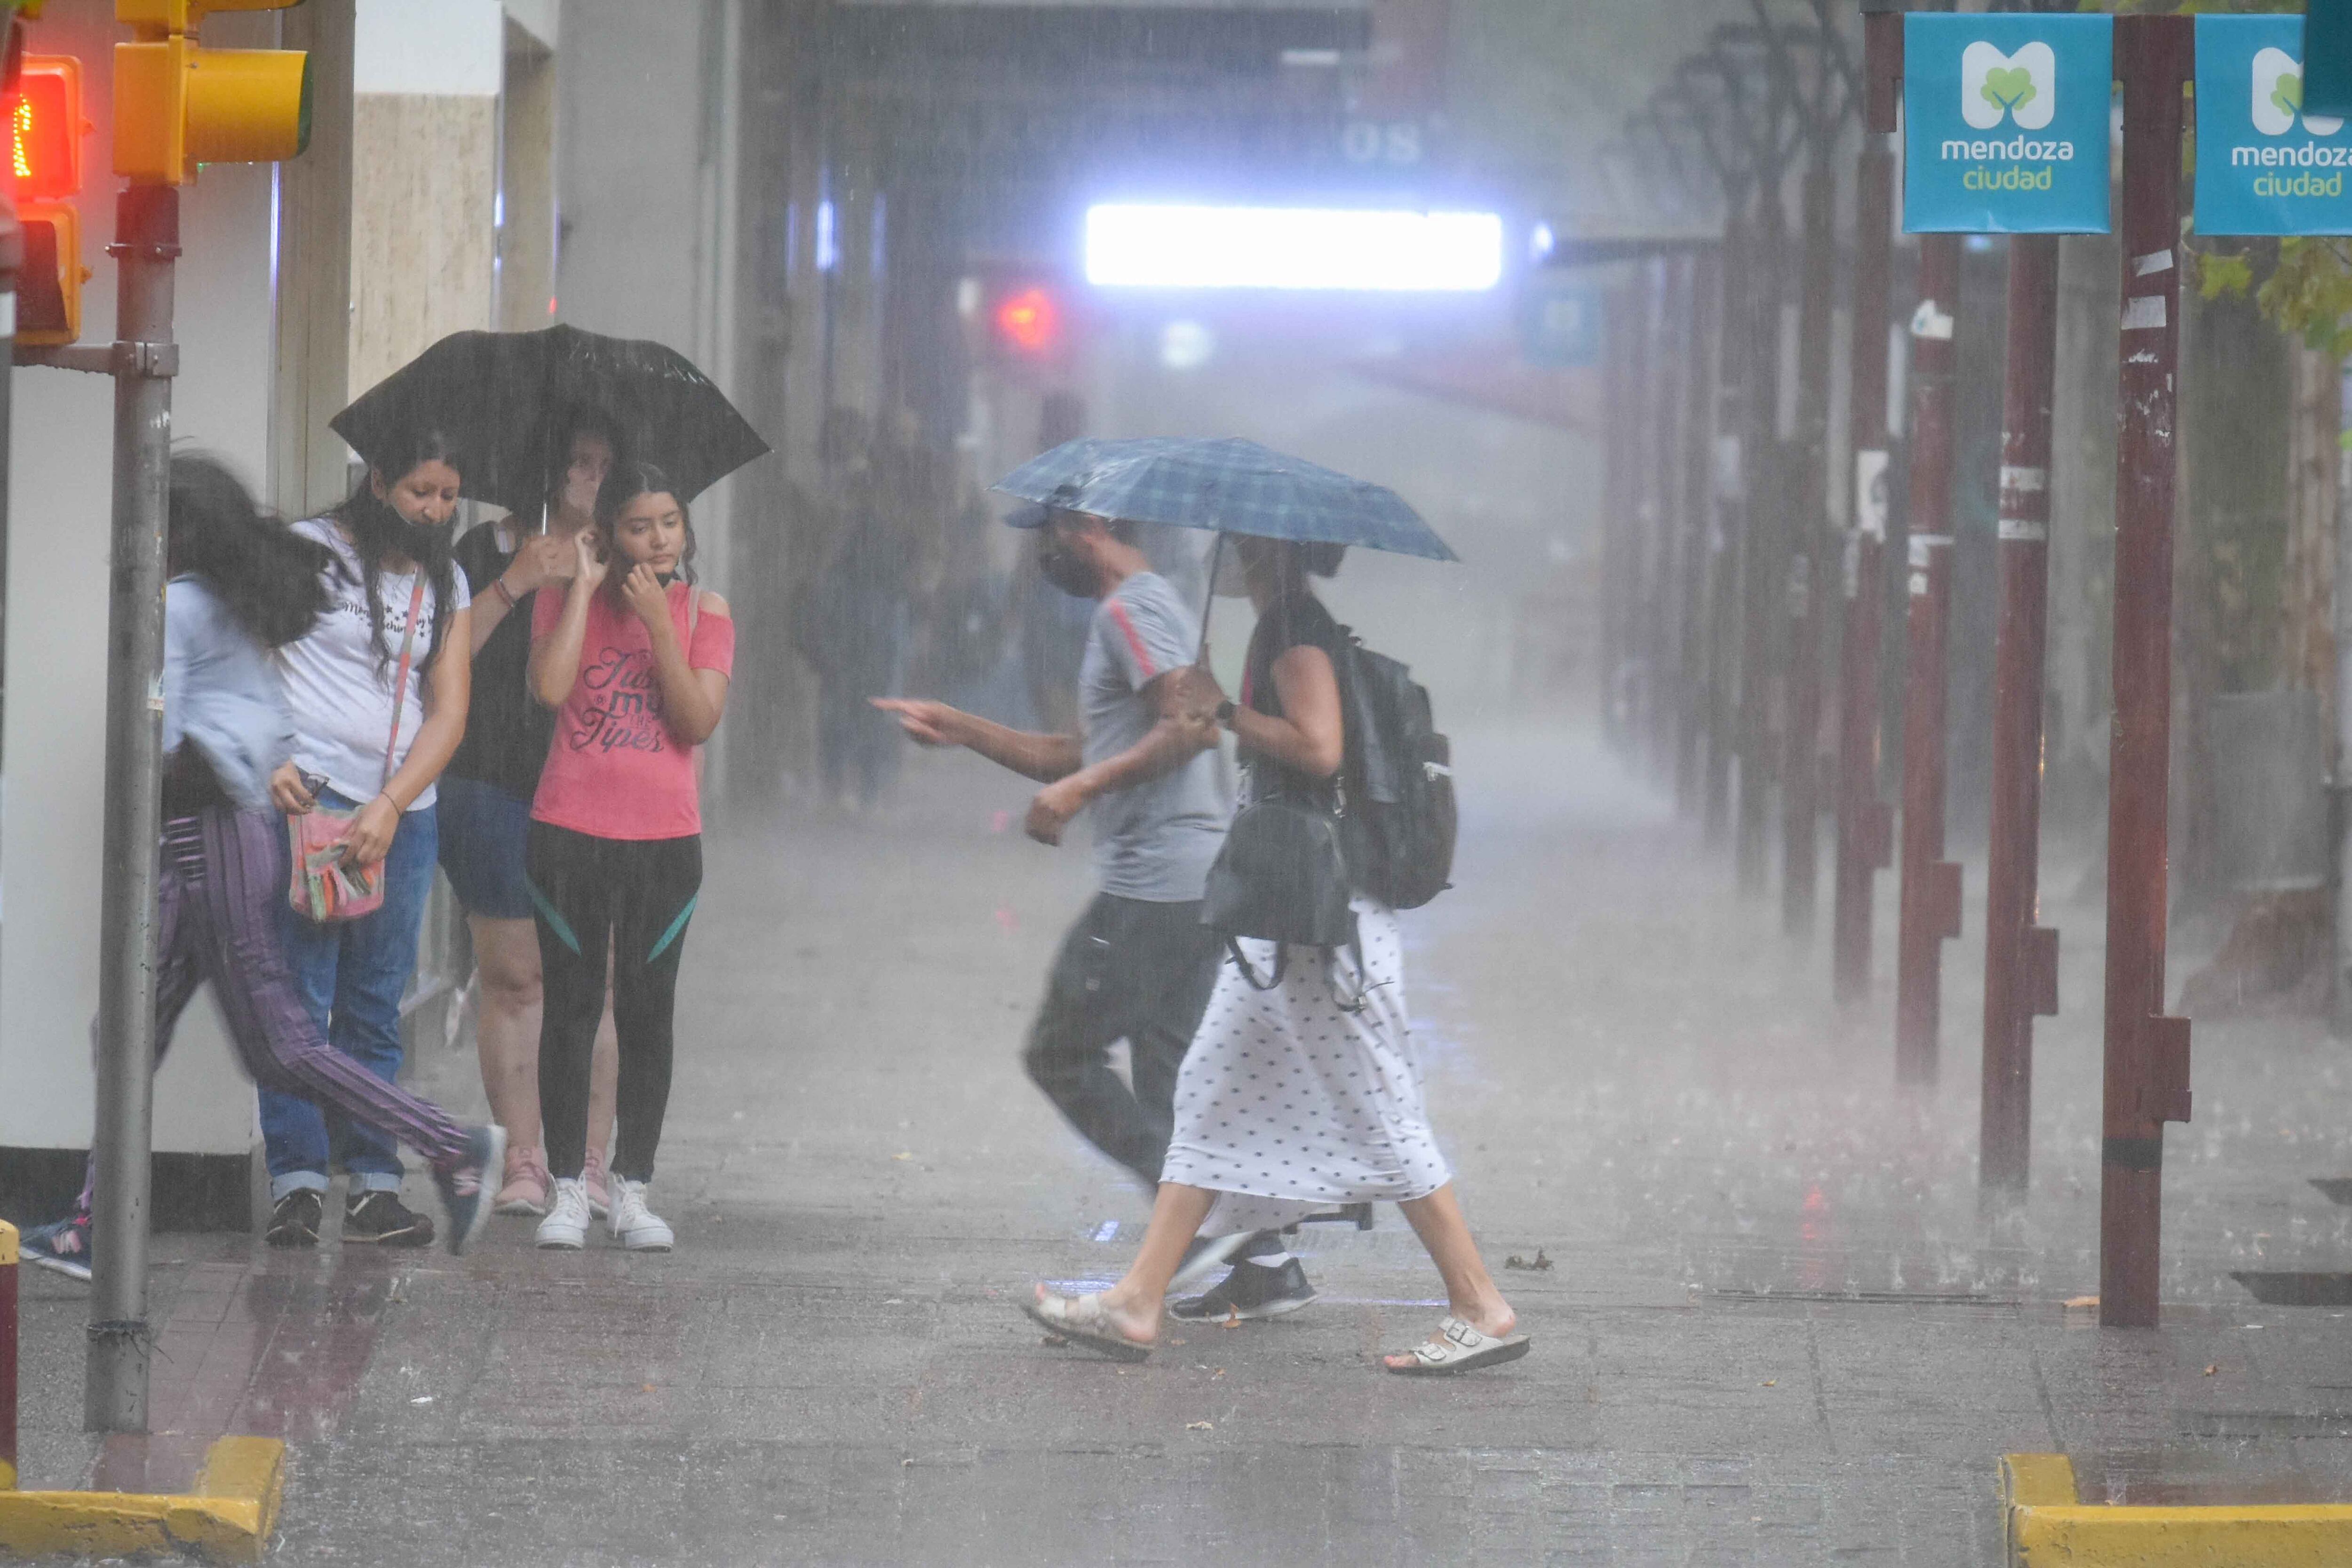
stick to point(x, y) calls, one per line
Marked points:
point(1232, 486)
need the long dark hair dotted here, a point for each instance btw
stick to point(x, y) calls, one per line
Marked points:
point(377, 531)
point(622, 484)
point(271, 577)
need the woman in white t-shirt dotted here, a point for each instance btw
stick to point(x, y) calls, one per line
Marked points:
point(394, 636)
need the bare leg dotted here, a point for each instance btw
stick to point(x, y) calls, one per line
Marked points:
point(1470, 1292)
point(507, 1031)
point(1136, 1302)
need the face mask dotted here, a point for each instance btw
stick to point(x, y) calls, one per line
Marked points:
point(1062, 568)
point(421, 541)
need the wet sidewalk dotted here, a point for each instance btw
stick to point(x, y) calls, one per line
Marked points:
point(1773, 1330)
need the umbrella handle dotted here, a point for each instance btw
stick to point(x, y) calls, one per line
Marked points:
point(1209, 601)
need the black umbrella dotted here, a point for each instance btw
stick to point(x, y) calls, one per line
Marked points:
point(503, 397)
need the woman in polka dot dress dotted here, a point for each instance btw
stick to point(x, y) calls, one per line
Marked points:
point(1287, 1102)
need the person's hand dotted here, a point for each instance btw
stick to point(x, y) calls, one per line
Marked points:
point(643, 590)
point(369, 838)
point(286, 791)
point(541, 559)
point(1198, 697)
point(1052, 809)
point(925, 721)
point(588, 566)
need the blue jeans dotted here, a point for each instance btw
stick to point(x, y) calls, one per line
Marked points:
point(352, 975)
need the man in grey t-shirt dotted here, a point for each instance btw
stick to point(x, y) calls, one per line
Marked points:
point(1138, 965)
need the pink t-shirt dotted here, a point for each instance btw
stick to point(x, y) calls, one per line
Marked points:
point(615, 769)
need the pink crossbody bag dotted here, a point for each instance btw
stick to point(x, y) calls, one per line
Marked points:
point(325, 885)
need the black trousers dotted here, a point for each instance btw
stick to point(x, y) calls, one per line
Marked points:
point(636, 896)
point(1133, 971)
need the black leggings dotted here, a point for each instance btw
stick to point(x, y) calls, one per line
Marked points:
point(638, 895)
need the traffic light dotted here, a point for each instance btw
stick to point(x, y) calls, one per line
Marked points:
point(177, 105)
point(45, 128)
point(1029, 321)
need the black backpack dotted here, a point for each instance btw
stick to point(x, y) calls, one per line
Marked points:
point(1399, 826)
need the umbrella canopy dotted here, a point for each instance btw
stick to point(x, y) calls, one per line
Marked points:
point(503, 397)
point(1230, 485)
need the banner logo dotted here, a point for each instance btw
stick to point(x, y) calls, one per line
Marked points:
point(2278, 96)
point(2023, 86)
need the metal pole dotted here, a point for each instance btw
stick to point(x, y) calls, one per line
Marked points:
point(1800, 766)
point(147, 240)
point(1668, 365)
point(2021, 957)
point(2147, 1061)
point(1703, 290)
point(1616, 491)
point(1640, 556)
point(1865, 825)
point(1763, 568)
point(8, 1357)
point(1726, 535)
point(2340, 999)
point(1930, 907)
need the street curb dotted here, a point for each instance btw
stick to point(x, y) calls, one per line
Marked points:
point(2044, 1524)
point(228, 1518)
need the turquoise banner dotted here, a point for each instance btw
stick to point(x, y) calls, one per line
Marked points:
point(2005, 123)
point(2263, 166)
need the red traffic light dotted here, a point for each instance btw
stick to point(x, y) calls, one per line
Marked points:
point(1030, 321)
point(45, 128)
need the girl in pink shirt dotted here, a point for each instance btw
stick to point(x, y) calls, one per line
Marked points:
point(636, 660)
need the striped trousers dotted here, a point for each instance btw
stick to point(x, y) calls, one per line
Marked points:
point(223, 873)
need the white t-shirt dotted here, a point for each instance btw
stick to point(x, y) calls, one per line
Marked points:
point(340, 702)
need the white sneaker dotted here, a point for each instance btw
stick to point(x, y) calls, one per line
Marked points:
point(635, 1227)
point(566, 1225)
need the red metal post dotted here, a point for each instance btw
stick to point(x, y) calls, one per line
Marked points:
point(2146, 1076)
point(1808, 526)
point(1643, 555)
point(1763, 559)
point(1702, 288)
point(2021, 957)
point(7, 1356)
point(1865, 824)
point(1668, 370)
point(1616, 504)
point(1726, 538)
point(1930, 909)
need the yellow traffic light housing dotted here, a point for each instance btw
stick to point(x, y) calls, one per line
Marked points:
point(177, 104)
point(44, 128)
point(49, 280)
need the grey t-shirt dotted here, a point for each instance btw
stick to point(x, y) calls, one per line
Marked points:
point(1154, 840)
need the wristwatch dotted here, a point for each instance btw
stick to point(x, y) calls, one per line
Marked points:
point(1225, 711)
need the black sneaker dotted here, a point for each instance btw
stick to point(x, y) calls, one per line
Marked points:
point(466, 1190)
point(1204, 1254)
point(296, 1219)
point(381, 1219)
point(1250, 1292)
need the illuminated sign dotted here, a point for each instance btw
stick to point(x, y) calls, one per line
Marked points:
point(1292, 248)
point(44, 118)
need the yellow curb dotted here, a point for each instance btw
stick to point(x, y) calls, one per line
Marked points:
point(229, 1517)
point(2046, 1526)
point(8, 1244)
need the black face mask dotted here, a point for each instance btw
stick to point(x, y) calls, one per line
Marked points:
point(1065, 570)
point(420, 541)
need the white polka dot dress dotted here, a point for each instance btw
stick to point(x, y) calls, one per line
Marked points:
point(1287, 1104)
